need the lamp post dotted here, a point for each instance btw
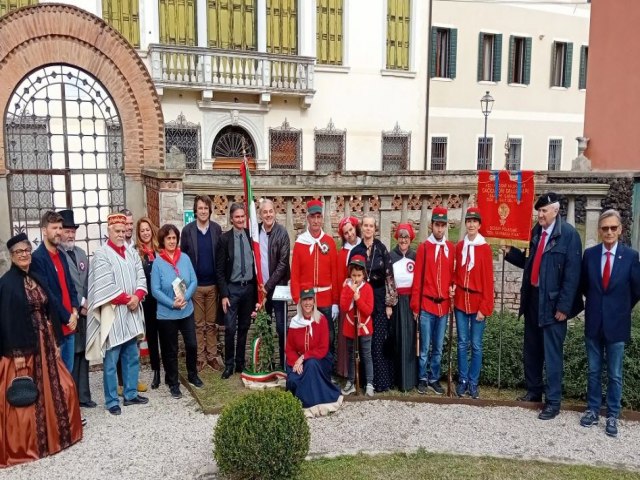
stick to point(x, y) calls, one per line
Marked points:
point(486, 103)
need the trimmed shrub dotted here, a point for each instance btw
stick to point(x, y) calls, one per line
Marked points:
point(262, 435)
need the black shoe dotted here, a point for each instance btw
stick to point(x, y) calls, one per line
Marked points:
point(195, 381)
point(156, 380)
point(530, 397)
point(89, 404)
point(84, 421)
point(139, 400)
point(611, 428)
point(175, 391)
point(548, 412)
point(239, 369)
point(115, 410)
point(228, 371)
point(422, 387)
point(436, 388)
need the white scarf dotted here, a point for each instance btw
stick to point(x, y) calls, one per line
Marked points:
point(298, 321)
point(349, 282)
point(438, 244)
point(306, 238)
point(470, 245)
point(348, 247)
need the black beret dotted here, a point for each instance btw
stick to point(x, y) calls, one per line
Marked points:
point(546, 199)
point(21, 237)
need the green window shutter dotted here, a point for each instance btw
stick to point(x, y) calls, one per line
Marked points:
point(568, 65)
point(497, 57)
point(406, 30)
point(178, 22)
point(282, 27)
point(453, 52)
point(434, 41)
point(231, 24)
point(123, 15)
point(480, 55)
point(398, 34)
point(527, 61)
point(582, 82)
point(512, 57)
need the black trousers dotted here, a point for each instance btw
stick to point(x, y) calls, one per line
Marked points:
point(150, 308)
point(533, 349)
point(81, 377)
point(168, 330)
point(326, 311)
point(237, 320)
point(279, 308)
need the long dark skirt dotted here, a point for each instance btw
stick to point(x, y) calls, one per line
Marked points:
point(313, 386)
point(381, 348)
point(404, 334)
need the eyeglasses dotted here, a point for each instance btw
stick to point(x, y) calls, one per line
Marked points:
point(22, 251)
point(608, 228)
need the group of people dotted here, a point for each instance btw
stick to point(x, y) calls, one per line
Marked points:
point(59, 310)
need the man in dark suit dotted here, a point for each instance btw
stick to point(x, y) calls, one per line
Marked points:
point(199, 240)
point(238, 288)
point(52, 267)
point(611, 286)
point(549, 296)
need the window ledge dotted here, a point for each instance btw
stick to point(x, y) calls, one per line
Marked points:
point(442, 79)
point(320, 67)
point(519, 85)
point(142, 53)
point(556, 87)
point(487, 82)
point(385, 72)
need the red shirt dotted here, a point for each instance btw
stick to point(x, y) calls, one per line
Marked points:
point(62, 280)
point(316, 269)
point(438, 277)
point(365, 308)
point(300, 342)
point(474, 289)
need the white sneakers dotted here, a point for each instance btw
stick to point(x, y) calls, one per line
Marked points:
point(369, 390)
point(349, 388)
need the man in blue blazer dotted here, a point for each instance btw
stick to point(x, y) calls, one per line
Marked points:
point(611, 286)
point(52, 267)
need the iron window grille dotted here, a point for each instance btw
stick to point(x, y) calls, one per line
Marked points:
point(485, 153)
point(555, 153)
point(396, 149)
point(439, 153)
point(285, 147)
point(330, 148)
point(514, 158)
point(185, 136)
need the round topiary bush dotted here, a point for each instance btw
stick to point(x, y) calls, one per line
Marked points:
point(262, 435)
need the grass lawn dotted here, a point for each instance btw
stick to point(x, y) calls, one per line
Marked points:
point(423, 465)
point(216, 392)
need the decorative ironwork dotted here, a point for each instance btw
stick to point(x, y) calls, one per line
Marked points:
point(396, 149)
point(185, 136)
point(229, 143)
point(439, 153)
point(330, 148)
point(555, 153)
point(285, 147)
point(64, 151)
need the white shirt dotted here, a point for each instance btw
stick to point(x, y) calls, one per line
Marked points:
point(603, 258)
point(204, 230)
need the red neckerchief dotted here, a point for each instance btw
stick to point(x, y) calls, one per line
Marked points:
point(172, 261)
point(119, 250)
point(149, 252)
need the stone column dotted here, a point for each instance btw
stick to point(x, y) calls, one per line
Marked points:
point(593, 208)
point(347, 205)
point(405, 207)
point(465, 205)
point(171, 202)
point(327, 215)
point(289, 221)
point(385, 218)
point(571, 210)
point(424, 220)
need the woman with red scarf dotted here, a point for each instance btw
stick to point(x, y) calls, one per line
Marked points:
point(173, 283)
point(147, 246)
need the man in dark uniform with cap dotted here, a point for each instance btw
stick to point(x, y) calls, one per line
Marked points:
point(549, 296)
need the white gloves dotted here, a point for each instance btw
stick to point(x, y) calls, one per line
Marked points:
point(335, 311)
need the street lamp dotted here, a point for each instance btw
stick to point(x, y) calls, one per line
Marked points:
point(486, 103)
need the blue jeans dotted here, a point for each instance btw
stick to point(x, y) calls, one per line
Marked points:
point(68, 351)
point(432, 331)
point(130, 359)
point(596, 350)
point(470, 331)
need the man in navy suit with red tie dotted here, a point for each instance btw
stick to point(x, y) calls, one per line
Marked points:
point(611, 286)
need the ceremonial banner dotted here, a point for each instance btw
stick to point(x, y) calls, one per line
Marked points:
point(252, 220)
point(505, 200)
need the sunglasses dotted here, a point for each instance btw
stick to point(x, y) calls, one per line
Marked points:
point(607, 228)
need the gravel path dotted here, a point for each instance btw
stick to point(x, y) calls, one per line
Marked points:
point(171, 439)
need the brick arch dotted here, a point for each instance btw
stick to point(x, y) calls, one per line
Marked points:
point(33, 37)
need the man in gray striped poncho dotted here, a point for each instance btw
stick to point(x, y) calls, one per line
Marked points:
point(117, 285)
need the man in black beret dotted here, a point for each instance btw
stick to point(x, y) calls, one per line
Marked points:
point(549, 296)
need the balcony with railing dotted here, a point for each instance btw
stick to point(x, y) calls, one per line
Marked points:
point(212, 69)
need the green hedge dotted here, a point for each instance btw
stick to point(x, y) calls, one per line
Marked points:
point(575, 358)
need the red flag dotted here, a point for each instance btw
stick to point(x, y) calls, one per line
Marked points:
point(252, 221)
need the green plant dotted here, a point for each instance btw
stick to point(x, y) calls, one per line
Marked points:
point(263, 335)
point(262, 435)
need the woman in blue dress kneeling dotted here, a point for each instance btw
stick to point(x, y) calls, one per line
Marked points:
point(309, 362)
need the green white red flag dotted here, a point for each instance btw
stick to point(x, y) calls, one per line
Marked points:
point(252, 220)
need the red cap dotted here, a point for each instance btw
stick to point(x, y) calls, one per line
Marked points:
point(352, 220)
point(408, 228)
point(314, 206)
point(473, 213)
point(358, 260)
point(439, 214)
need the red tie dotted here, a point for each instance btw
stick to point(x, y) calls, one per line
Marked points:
point(535, 271)
point(606, 273)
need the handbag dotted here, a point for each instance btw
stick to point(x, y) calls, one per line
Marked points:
point(22, 392)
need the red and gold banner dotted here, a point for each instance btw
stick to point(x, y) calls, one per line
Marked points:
point(505, 200)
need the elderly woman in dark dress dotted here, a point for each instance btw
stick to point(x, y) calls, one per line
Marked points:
point(379, 274)
point(29, 337)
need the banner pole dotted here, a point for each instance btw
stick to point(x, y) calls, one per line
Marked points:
point(500, 327)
